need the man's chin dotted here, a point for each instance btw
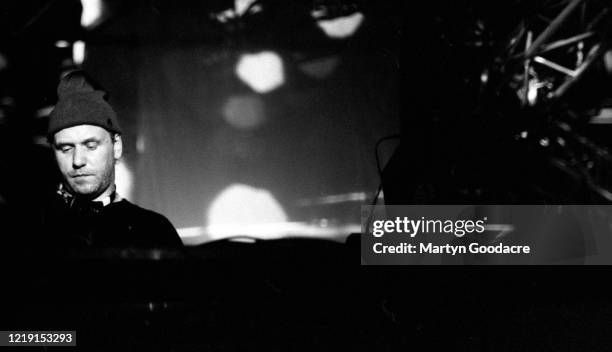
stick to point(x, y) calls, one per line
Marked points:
point(84, 190)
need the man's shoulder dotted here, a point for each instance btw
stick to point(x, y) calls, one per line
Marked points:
point(144, 221)
point(134, 211)
point(126, 205)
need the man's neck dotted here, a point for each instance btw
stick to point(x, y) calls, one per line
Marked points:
point(105, 195)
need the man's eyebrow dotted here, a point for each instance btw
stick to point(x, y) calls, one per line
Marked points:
point(63, 144)
point(72, 144)
point(91, 139)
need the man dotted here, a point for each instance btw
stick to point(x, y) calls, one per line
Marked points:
point(85, 210)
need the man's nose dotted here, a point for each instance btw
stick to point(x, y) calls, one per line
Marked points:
point(78, 158)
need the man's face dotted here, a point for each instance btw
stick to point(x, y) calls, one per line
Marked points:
point(86, 156)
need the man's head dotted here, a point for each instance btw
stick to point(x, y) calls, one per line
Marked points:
point(85, 136)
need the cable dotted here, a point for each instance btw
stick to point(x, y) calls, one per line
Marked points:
point(394, 136)
point(380, 184)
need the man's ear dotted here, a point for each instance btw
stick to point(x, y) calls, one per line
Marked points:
point(117, 146)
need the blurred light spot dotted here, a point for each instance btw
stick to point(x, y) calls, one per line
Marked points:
point(140, 144)
point(604, 117)
point(44, 112)
point(243, 111)
point(608, 61)
point(532, 95)
point(263, 72)
point(3, 62)
point(7, 101)
point(580, 54)
point(239, 207)
point(561, 141)
point(224, 16)
point(41, 140)
point(124, 180)
point(341, 27)
point(564, 126)
point(92, 13)
point(524, 134)
point(62, 44)
point(334, 199)
point(320, 68)
point(241, 6)
point(318, 13)
point(484, 76)
point(78, 52)
point(544, 142)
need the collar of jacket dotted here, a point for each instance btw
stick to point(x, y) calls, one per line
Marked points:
point(68, 197)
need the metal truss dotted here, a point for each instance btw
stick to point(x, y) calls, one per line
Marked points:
point(540, 65)
point(547, 57)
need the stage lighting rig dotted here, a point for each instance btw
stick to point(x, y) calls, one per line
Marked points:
point(552, 50)
point(548, 82)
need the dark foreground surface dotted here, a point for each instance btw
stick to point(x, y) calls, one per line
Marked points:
point(300, 295)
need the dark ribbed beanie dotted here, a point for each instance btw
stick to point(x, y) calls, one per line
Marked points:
point(79, 103)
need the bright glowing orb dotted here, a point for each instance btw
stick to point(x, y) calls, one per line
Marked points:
point(241, 6)
point(78, 52)
point(240, 205)
point(62, 44)
point(92, 13)
point(263, 72)
point(341, 27)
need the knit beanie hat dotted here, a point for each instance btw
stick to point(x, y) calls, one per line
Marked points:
point(80, 103)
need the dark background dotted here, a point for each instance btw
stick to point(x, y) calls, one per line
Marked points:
point(169, 72)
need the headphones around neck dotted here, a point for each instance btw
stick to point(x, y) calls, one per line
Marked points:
point(85, 206)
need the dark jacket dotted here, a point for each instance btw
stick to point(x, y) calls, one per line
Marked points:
point(117, 225)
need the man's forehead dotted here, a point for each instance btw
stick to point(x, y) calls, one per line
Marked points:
point(76, 134)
